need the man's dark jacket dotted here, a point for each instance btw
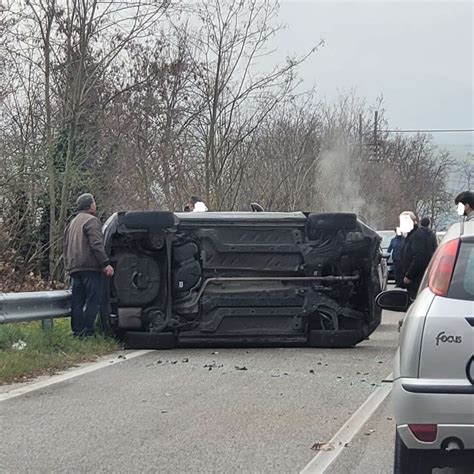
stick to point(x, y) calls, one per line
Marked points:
point(84, 245)
point(417, 253)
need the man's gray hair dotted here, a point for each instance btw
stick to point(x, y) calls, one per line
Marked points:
point(84, 202)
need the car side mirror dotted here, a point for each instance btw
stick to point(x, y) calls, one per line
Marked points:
point(393, 300)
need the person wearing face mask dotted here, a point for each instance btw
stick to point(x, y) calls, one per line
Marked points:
point(465, 203)
point(417, 252)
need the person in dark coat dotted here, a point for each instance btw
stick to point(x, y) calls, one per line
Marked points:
point(86, 261)
point(431, 236)
point(395, 249)
point(417, 252)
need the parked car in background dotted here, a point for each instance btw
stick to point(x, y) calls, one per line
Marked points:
point(387, 236)
point(242, 277)
point(433, 388)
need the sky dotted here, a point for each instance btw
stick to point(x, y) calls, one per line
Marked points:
point(418, 55)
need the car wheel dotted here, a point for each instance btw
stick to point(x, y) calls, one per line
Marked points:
point(410, 461)
point(149, 340)
point(318, 224)
point(150, 220)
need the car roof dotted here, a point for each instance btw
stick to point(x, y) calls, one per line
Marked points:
point(459, 230)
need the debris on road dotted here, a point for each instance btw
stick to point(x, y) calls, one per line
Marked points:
point(185, 360)
point(311, 371)
point(322, 447)
point(121, 356)
point(213, 366)
point(238, 367)
point(369, 432)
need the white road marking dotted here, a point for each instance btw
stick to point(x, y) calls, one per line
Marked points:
point(351, 427)
point(70, 375)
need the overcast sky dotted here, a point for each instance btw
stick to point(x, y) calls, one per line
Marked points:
point(419, 55)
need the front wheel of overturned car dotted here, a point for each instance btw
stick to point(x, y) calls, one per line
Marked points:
point(410, 461)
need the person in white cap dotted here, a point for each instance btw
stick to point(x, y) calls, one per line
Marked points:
point(196, 204)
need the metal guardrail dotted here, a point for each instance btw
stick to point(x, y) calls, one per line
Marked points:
point(34, 306)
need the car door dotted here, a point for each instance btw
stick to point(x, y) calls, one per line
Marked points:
point(448, 337)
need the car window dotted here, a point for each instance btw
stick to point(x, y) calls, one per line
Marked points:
point(462, 283)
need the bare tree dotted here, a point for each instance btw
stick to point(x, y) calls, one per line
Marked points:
point(465, 169)
point(80, 42)
point(237, 97)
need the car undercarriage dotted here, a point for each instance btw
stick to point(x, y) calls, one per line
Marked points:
point(233, 278)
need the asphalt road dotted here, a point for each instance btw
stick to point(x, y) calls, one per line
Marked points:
point(205, 410)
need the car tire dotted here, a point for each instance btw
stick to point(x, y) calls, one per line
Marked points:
point(150, 220)
point(339, 339)
point(410, 461)
point(149, 340)
point(318, 224)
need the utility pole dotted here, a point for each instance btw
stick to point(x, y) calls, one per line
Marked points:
point(376, 117)
point(360, 137)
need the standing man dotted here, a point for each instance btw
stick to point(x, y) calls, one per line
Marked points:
point(431, 236)
point(395, 249)
point(417, 252)
point(465, 203)
point(86, 261)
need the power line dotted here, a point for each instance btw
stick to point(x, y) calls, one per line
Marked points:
point(447, 130)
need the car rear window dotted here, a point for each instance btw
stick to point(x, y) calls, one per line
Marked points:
point(462, 283)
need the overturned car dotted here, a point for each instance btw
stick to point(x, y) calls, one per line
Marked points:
point(232, 278)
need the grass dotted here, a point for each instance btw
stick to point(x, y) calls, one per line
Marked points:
point(46, 352)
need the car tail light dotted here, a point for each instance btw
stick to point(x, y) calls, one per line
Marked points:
point(442, 268)
point(426, 433)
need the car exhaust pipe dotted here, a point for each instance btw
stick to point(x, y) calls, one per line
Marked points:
point(450, 445)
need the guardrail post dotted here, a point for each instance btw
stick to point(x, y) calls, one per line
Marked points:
point(47, 325)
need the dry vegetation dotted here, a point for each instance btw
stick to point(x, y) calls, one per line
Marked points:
point(144, 103)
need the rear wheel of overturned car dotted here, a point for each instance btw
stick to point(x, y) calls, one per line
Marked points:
point(151, 220)
point(320, 224)
point(410, 461)
point(149, 340)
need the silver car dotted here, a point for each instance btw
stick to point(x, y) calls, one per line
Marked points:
point(433, 388)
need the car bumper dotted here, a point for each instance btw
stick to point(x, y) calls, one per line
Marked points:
point(448, 405)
